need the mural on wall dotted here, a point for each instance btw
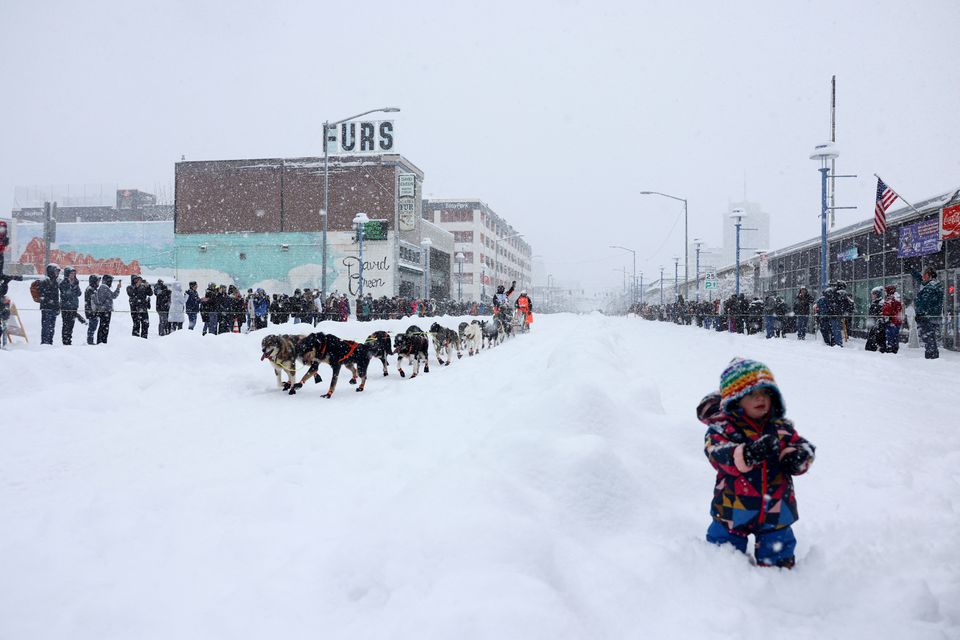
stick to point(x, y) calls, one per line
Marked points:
point(120, 248)
point(282, 262)
point(35, 254)
point(278, 262)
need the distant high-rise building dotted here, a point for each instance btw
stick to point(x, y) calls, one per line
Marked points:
point(480, 234)
point(754, 232)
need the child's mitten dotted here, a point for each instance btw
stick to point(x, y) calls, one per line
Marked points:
point(759, 450)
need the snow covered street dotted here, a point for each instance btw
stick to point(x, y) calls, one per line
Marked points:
point(554, 487)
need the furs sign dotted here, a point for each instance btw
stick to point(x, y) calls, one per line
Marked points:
point(361, 136)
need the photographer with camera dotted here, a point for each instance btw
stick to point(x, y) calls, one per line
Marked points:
point(138, 293)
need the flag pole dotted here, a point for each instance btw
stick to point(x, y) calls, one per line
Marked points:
point(897, 194)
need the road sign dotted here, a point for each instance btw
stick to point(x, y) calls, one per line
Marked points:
point(711, 284)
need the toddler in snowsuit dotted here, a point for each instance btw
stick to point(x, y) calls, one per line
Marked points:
point(756, 453)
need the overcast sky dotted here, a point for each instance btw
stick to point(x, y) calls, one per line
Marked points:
point(554, 113)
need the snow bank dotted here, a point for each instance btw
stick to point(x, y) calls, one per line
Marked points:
point(554, 487)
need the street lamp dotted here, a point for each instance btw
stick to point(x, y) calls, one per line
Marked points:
point(358, 223)
point(686, 257)
point(496, 256)
point(425, 244)
point(642, 297)
point(738, 215)
point(661, 288)
point(676, 263)
point(633, 297)
point(697, 242)
point(326, 177)
point(622, 271)
point(757, 284)
point(459, 258)
point(824, 153)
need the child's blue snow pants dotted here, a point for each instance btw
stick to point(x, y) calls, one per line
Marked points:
point(771, 548)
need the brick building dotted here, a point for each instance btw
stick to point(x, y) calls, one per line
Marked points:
point(259, 222)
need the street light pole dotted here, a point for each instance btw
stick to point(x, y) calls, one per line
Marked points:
point(358, 222)
point(676, 263)
point(698, 243)
point(425, 245)
point(738, 215)
point(327, 125)
point(633, 296)
point(661, 288)
point(686, 243)
point(459, 258)
point(825, 153)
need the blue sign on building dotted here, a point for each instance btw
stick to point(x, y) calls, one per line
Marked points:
point(919, 239)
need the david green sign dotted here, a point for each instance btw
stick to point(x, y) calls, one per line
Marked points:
point(361, 136)
point(406, 185)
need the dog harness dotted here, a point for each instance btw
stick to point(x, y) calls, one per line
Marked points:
point(353, 347)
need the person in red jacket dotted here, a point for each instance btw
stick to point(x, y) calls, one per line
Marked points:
point(756, 453)
point(892, 312)
point(525, 309)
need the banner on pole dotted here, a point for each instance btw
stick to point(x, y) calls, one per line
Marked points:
point(919, 239)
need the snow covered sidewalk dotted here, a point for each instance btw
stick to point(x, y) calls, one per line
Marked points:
point(554, 487)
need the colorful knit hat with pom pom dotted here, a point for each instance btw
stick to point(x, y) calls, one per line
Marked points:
point(742, 377)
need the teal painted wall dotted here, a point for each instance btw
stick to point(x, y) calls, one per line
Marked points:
point(150, 243)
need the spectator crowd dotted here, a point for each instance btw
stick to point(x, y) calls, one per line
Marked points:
point(219, 308)
point(832, 314)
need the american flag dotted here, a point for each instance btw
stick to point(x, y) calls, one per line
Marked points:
point(885, 198)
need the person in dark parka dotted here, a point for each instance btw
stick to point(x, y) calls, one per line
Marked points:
point(801, 308)
point(162, 292)
point(103, 303)
point(876, 325)
point(193, 305)
point(929, 308)
point(138, 293)
point(90, 308)
point(69, 304)
point(49, 304)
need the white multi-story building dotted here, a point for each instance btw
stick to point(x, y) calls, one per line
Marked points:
point(493, 251)
point(754, 232)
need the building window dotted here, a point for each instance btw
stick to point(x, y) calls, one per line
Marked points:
point(409, 255)
point(463, 236)
point(459, 215)
point(860, 268)
point(891, 264)
point(953, 254)
point(875, 265)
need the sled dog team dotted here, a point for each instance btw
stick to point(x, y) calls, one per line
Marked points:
point(285, 352)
